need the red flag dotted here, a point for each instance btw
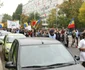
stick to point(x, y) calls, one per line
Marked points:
point(33, 23)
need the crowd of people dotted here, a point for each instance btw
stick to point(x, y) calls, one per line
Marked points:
point(54, 33)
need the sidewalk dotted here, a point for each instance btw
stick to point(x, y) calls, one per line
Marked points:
point(1, 67)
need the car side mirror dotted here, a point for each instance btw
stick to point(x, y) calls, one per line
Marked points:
point(10, 65)
point(76, 57)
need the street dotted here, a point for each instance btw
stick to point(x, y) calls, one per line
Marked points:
point(74, 51)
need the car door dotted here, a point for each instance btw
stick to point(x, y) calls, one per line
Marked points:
point(3, 46)
point(11, 50)
point(14, 52)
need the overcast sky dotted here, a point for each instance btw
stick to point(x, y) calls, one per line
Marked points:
point(10, 6)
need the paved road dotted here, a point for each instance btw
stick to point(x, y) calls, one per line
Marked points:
point(72, 50)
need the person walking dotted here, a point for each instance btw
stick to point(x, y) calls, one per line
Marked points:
point(57, 35)
point(77, 33)
point(81, 47)
point(73, 37)
point(66, 39)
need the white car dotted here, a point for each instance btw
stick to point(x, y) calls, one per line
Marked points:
point(2, 35)
point(40, 54)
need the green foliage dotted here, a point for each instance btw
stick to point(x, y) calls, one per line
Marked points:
point(33, 16)
point(51, 20)
point(1, 4)
point(6, 17)
point(71, 9)
point(17, 14)
point(62, 21)
point(24, 18)
point(82, 13)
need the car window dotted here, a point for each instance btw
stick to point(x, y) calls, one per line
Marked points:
point(44, 55)
point(11, 50)
point(14, 55)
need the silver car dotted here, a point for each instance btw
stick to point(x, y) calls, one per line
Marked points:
point(40, 54)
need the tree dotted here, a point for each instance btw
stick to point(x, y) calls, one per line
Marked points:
point(81, 15)
point(24, 18)
point(1, 4)
point(17, 14)
point(6, 17)
point(51, 20)
point(62, 21)
point(71, 9)
point(33, 16)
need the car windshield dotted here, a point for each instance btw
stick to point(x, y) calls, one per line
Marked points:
point(43, 55)
point(10, 39)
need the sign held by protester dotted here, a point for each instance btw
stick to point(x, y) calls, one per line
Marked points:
point(28, 27)
point(13, 24)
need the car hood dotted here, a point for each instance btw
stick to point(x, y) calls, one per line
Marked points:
point(8, 45)
point(72, 67)
point(1, 37)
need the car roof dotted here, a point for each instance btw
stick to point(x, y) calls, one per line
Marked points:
point(37, 41)
point(14, 34)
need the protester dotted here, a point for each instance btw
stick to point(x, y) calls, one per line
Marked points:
point(66, 39)
point(73, 37)
point(81, 35)
point(77, 33)
point(62, 34)
point(57, 35)
point(52, 34)
point(81, 47)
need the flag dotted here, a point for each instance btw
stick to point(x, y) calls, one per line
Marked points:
point(1, 25)
point(71, 24)
point(33, 23)
point(38, 21)
point(25, 24)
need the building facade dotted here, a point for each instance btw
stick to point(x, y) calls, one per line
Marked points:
point(43, 7)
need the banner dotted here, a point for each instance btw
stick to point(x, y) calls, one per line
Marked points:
point(13, 24)
point(28, 27)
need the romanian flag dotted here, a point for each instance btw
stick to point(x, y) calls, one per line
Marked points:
point(71, 24)
point(25, 24)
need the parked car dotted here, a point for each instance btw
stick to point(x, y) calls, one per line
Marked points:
point(2, 35)
point(8, 39)
point(40, 54)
